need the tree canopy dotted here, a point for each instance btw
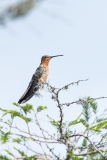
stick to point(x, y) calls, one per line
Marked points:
point(90, 143)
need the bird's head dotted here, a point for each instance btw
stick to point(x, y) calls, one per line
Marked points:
point(45, 59)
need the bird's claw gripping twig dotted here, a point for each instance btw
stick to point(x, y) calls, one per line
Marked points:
point(37, 94)
point(41, 86)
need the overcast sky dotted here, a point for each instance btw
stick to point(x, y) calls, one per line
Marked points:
point(78, 30)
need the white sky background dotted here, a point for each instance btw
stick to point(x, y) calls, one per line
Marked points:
point(76, 29)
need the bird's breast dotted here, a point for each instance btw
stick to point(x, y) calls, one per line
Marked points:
point(44, 76)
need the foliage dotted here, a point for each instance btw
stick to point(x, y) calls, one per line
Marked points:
point(14, 114)
point(40, 108)
point(4, 137)
point(89, 143)
point(2, 157)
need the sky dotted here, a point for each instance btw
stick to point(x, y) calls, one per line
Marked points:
point(76, 29)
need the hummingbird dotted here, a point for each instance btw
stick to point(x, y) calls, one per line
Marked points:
point(39, 77)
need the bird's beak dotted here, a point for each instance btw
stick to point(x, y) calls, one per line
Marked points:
point(56, 56)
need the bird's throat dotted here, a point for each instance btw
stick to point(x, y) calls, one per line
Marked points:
point(45, 63)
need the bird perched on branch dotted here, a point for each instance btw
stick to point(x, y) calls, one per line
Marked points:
point(38, 78)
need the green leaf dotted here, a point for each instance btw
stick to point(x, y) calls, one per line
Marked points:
point(40, 108)
point(99, 126)
point(88, 105)
point(33, 158)
point(55, 123)
point(100, 119)
point(5, 137)
point(17, 140)
point(93, 104)
point(26, 108)
point(16, 104)
point(75, 121)
point(70, 154)
point(1, 127)
point(8, 152)
point(2, 157)
point(27, 120)
point(29, 138)
point(77, 158)
point(86, 108)
point(20, 152)
point(14, 114)
point(79, 121)
point(10, 122)
point(84, 123)
point(84, 143)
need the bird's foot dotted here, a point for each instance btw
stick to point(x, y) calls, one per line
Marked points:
point(41, 86)
point(38, 94)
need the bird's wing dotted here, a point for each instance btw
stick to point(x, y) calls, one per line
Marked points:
point(39, 71)
point(33, 85)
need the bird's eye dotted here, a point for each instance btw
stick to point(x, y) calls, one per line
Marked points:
point(46, 57)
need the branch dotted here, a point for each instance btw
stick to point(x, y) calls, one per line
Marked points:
point(82, 101)
point(97, 150)
point(39, 158)
point(85, 154)
point(66, 86)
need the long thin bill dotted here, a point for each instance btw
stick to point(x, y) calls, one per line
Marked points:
point(56, 56)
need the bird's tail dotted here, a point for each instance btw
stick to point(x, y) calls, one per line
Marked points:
point(29, 93)
point(25, 98)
